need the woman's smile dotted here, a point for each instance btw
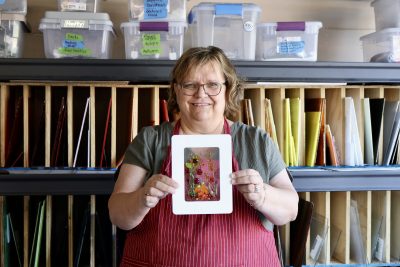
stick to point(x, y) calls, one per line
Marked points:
point(201, 104)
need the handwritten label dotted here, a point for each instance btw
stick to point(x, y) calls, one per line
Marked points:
point(151, 44)
point(74, 37)
point(74, 45)
point(73, 40)
point(71, 51)
point(155, 9)
point(290, 45)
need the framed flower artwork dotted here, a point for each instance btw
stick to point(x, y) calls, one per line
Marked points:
point(201, 164)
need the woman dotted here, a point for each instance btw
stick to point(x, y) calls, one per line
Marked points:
point(205, 90)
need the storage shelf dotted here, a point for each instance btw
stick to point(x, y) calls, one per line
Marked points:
point(101, 181)
point(346, 179)
point(148, 71)
point(56, 182)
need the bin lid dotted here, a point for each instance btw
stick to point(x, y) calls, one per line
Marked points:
point(16, 16)
point(309, 27)
point(228, 6)
point(381, 35)
point(222, 9)
point(166, 25)
point(76, 15)
point(75, 18)
point(170, 27)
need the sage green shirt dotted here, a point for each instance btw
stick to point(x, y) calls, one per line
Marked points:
point(252, 146)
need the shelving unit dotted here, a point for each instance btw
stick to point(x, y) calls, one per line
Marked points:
point(157, 71)
point(135, 88)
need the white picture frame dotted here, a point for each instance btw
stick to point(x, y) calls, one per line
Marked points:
point(201, 164)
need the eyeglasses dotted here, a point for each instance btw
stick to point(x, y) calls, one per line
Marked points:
point(210, 88)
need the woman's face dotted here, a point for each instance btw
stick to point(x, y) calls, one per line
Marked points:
point(202, 108)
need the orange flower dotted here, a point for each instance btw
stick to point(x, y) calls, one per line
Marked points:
point(202, 192)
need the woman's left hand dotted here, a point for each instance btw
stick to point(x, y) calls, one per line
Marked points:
point(250, 183)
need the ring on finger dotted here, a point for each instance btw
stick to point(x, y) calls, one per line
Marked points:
point(256, 188)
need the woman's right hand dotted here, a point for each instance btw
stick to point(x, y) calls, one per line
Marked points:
point(156, 188)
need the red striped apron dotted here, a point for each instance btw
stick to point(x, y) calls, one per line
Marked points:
point(236, 239)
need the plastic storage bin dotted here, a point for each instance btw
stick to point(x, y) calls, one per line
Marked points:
point(153, 40)
point(157, 10)
point(386, 14)
point(77, 5)
point(382, 46)
point(12, 28)
point(13, 6)
point(77, 35)
point(288, 41)
point(232, 27)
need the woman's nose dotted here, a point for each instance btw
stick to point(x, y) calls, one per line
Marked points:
point(201, 91)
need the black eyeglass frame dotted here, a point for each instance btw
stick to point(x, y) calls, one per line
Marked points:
point(198, 86)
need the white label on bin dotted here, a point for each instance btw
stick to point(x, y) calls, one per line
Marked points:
point(74, 23)
point(155, 9)
point(248, 26)
point(73, 6)
point(290, 45)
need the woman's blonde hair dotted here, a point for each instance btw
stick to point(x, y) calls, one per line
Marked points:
point(199, 56)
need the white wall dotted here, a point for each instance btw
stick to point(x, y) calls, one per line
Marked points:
point(344, 22)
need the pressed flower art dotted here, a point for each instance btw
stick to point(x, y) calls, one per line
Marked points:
point(202, 179)
point(201, 165)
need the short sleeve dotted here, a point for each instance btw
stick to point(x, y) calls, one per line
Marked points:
point(139, 152)
point(149, 148)
point(276, 163)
